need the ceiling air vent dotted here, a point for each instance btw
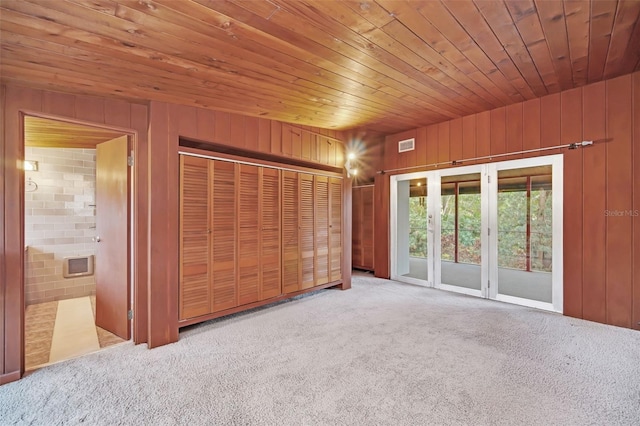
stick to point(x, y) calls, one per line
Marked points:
point(407, 145)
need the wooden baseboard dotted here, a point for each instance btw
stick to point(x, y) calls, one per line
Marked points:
point(9, 377)
point(191, 321)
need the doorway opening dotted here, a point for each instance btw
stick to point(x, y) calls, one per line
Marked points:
point(77, 191)
point(490, 230)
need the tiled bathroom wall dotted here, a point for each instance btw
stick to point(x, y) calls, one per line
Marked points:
point(59, 221)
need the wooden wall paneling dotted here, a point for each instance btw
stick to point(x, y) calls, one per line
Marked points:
point(550, 122)
point(455, 136)
point(514, 128)
point(60, 104)
point(185, 118)
point(3, 266)
point(498, 131)
point(270, 235)
point(162, 284)
point(469, 134)
point(432, 144)
point(356, 228)
point(335, 229)
point(636, 201)
point(346, 233)
point(381, 220)
point(444, 153)
point(224, 225)
point(251, 133)
point(368, 230)
point(305, 148)
point(117, 113)
point(421, 146)
point(483, 134)
point(89, 108)
point(307, 230)
point(276, 137)
point(619, 204)
point(571, 131)
point(332, 154)
point(237, 130)
point(296, 142)
point(140, 121)
point(321, 229)
point(531, 126)
point(206, 122)
point(287, 148)
point(222, 129)
point(248, 202)
point(195, 237)
point(291, 270)
point(264, 135)
point(594, 204)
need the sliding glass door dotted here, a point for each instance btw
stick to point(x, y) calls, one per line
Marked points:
point(492, 230)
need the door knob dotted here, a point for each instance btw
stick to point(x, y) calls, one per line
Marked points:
point(97, 239)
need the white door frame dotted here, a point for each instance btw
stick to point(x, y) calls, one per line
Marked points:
point(489, 225)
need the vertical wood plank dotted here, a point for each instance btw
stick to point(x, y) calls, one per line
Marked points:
point(162, 256)
point(305, 145)
point(117, 113)
point(456, 139)
point(443, 142)
point(332, 153)
point(276, 137)
point(498, 131)
point(381, 220)
point(286, 140)
point(237, 130)
point(421, 146)
point(186, 120)
point(264, 135)
point(550, 122)
point(3, 280)
point(469, 133)
point(222, 130)
point(531, 126)
point(636, 201)
point(594, 204)
point(432, 144)
point(483, 134)
point(251, 133)
point(571, 131)
point(514, 128)
point(140, 121)
point(61, 104)
point(206, 122)
point(89, 108)
point(619, 178)
point(296, 142)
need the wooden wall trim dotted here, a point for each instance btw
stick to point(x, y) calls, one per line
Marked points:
point(602, 185)
point(3, 278)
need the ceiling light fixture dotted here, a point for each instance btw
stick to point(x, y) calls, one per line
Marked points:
point(350, 168)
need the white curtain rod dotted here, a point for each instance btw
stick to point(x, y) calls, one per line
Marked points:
point(573, 145)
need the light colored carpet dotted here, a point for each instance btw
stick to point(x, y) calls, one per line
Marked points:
point(383, 353)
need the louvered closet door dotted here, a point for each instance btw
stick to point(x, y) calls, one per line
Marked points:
point(356, 240)
point(307, 234)
point(335, 229)
point(321, 230)
point(195, 292)
point(291, 271)
point(270, 234)
point(248, 234)
point(223, 229)
point(367, 227)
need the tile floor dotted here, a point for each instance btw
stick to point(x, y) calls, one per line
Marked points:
point(61, 330)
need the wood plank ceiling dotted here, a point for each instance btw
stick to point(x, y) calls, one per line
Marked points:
point(42, 132)
point(383, 65)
